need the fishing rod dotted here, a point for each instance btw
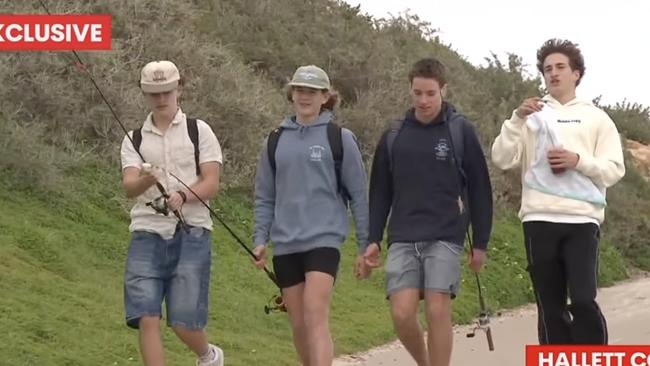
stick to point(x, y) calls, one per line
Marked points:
point(160, 204)
point(156, 204)
point(270, 274)
point(276, 302)
point(483, 320)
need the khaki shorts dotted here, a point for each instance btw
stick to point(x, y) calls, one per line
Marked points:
point(433, 266)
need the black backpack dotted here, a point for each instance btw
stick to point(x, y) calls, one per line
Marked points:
point(192, 131)
point(455, 126)
point(335, 139)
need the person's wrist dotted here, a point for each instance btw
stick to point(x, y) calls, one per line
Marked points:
point(518, 114)
point(183, 196)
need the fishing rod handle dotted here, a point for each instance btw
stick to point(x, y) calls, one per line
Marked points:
point(488, 333)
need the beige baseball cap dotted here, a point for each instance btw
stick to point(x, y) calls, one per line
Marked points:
point(159, 76)
point(310, 76)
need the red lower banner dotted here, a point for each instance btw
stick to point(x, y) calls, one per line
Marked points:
point(588, 355)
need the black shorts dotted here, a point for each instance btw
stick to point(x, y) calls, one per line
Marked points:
point(290, 269)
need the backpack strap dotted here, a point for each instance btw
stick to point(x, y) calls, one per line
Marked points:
point(137, 139)
point(193, 132)
point(456, 127)
point(272, 146)
point(335, 139)
point(391, 135)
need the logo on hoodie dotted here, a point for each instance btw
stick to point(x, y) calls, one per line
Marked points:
point(316, 153)
point(568, 121)
point(442, 149)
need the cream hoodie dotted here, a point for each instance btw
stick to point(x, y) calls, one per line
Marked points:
point(584, 129)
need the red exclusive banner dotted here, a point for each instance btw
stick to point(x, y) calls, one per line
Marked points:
point(588, 355)
point(31, 32)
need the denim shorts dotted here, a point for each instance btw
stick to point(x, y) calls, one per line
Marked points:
point(175, 270)
point(433, 266)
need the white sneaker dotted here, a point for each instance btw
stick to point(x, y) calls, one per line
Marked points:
point(216, 360)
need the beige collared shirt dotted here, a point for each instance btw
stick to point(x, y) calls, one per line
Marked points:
point(173, 152)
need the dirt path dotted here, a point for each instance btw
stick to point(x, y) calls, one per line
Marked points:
point(626, 307)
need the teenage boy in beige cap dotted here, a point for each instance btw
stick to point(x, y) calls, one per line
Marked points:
point(167, 260)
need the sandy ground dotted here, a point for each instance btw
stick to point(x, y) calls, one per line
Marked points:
point(626, 307)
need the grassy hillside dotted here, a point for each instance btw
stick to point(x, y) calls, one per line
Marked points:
point(61, 270)
point(63, 219)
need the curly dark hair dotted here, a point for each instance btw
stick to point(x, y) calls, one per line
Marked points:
point(565, 47)
point(429, 68)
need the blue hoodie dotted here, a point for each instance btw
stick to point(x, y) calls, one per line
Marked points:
point(299, 207)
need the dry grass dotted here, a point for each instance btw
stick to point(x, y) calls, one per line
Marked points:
point(236, 56)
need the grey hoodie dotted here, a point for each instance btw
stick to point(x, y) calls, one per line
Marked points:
point(299, 208)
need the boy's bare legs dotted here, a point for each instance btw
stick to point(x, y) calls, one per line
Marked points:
point(196, 340)
point(316, 302)
point(404, 311)
point(440, 336)
point(293, 300)
point(151, 346)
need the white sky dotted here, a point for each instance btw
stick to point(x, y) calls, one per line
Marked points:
point(614, 36)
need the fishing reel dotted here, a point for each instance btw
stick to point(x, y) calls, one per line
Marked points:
point(483, 324)
point(275, 304)
point(159, 204)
